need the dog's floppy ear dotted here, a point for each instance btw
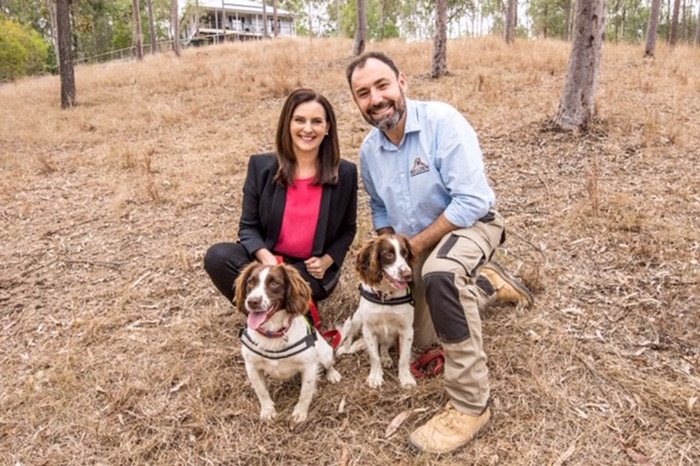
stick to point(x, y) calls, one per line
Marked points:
point(241, 286)
point(405, 243)
point(367, 263)
point(298, 293)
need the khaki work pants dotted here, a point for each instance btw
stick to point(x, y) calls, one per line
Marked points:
point(447, 304)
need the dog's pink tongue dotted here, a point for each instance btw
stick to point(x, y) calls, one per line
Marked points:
point(256, 319)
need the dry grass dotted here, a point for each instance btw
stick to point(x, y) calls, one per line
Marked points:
point(116, 349)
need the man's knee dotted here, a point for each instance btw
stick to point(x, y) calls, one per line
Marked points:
point(446, 309)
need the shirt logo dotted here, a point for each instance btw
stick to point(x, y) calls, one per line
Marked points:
point(419, 167)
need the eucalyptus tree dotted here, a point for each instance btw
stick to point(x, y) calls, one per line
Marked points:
point(440, 41)
point(138, 34)
point(65, 54)
point(650, 46)
point(550, 18)
point(697, 28)
point(673, 38)
point(511, 21)
point(576, 108)
point(382, 18)
point(175, 24)
point(361, 32)
point(152, 27)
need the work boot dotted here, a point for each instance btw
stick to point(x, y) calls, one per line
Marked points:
point(448, 430)
point(507, 288)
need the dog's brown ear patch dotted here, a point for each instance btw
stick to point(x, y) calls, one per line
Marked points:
point(297, 293)
point(367, 262)
point(242, 286)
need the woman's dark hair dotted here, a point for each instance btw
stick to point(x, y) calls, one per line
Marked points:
point(329, 151)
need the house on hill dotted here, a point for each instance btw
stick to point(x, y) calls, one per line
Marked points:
point(210, 21)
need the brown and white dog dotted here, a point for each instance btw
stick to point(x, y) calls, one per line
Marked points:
point(278, 340)
point(385, 310)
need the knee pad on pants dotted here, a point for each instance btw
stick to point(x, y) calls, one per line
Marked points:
point(446, 311)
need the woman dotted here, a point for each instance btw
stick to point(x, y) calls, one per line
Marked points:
point(299, 204)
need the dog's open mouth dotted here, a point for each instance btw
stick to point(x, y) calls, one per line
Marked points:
point(398, 284)
point(257, 318)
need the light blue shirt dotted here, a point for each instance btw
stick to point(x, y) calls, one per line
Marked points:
point(438, 167)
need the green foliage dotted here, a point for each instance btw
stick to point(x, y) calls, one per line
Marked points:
point(381, 19)
point(627, 20)
point(549, 17)
point(22, 51)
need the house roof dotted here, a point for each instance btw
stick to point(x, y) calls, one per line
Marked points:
point(241, 6)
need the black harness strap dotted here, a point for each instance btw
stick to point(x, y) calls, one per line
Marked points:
point(307, 341)
point(375, 298)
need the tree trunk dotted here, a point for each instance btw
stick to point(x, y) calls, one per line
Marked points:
point(576, 108)
point(510, 21)
point(567, 20)
point(652, 29)
point(276, 25)
point(175, 21)
point(152, 27)
point(361, 33)
point(53, 28)
point(264, 5)
point(697, 28)
point(440, 41)
point(673, 38)
point(65, 54)
point(138, 35)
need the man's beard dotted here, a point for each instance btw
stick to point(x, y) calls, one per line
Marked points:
point(389, 122)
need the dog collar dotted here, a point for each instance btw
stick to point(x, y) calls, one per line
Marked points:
point(307, 341)
point(379, 299)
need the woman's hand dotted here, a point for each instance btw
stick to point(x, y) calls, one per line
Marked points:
point(317, 266)
point(265, 257)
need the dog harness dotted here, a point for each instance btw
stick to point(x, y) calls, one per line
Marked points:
point(307, 341)
point(377, 298)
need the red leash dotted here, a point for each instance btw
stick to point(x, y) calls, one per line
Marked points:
point(333, 336)
point(429, 363)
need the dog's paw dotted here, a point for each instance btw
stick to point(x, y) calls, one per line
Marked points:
point(375, 379)
point(333, 376)
point(386, 361)
point(299, 415)
point(268, 413)
point(406, 379)
point(342, 349)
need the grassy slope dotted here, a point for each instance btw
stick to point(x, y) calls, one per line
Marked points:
point(116, 349)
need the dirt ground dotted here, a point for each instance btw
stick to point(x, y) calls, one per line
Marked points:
point(116, 349)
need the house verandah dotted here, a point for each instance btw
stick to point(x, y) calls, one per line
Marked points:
point(211, 21)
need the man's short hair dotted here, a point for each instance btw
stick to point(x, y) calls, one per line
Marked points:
point(360, 62)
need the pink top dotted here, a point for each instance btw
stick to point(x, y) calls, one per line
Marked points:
point(300, 219)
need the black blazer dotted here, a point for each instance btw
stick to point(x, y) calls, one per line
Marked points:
point(263, 208)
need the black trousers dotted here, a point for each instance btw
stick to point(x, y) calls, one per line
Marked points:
point(224, 262)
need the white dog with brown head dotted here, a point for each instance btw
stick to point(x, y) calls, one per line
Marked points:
point(385, 311)
point(278, 341)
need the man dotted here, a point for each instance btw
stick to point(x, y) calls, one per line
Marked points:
point(423, 170)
